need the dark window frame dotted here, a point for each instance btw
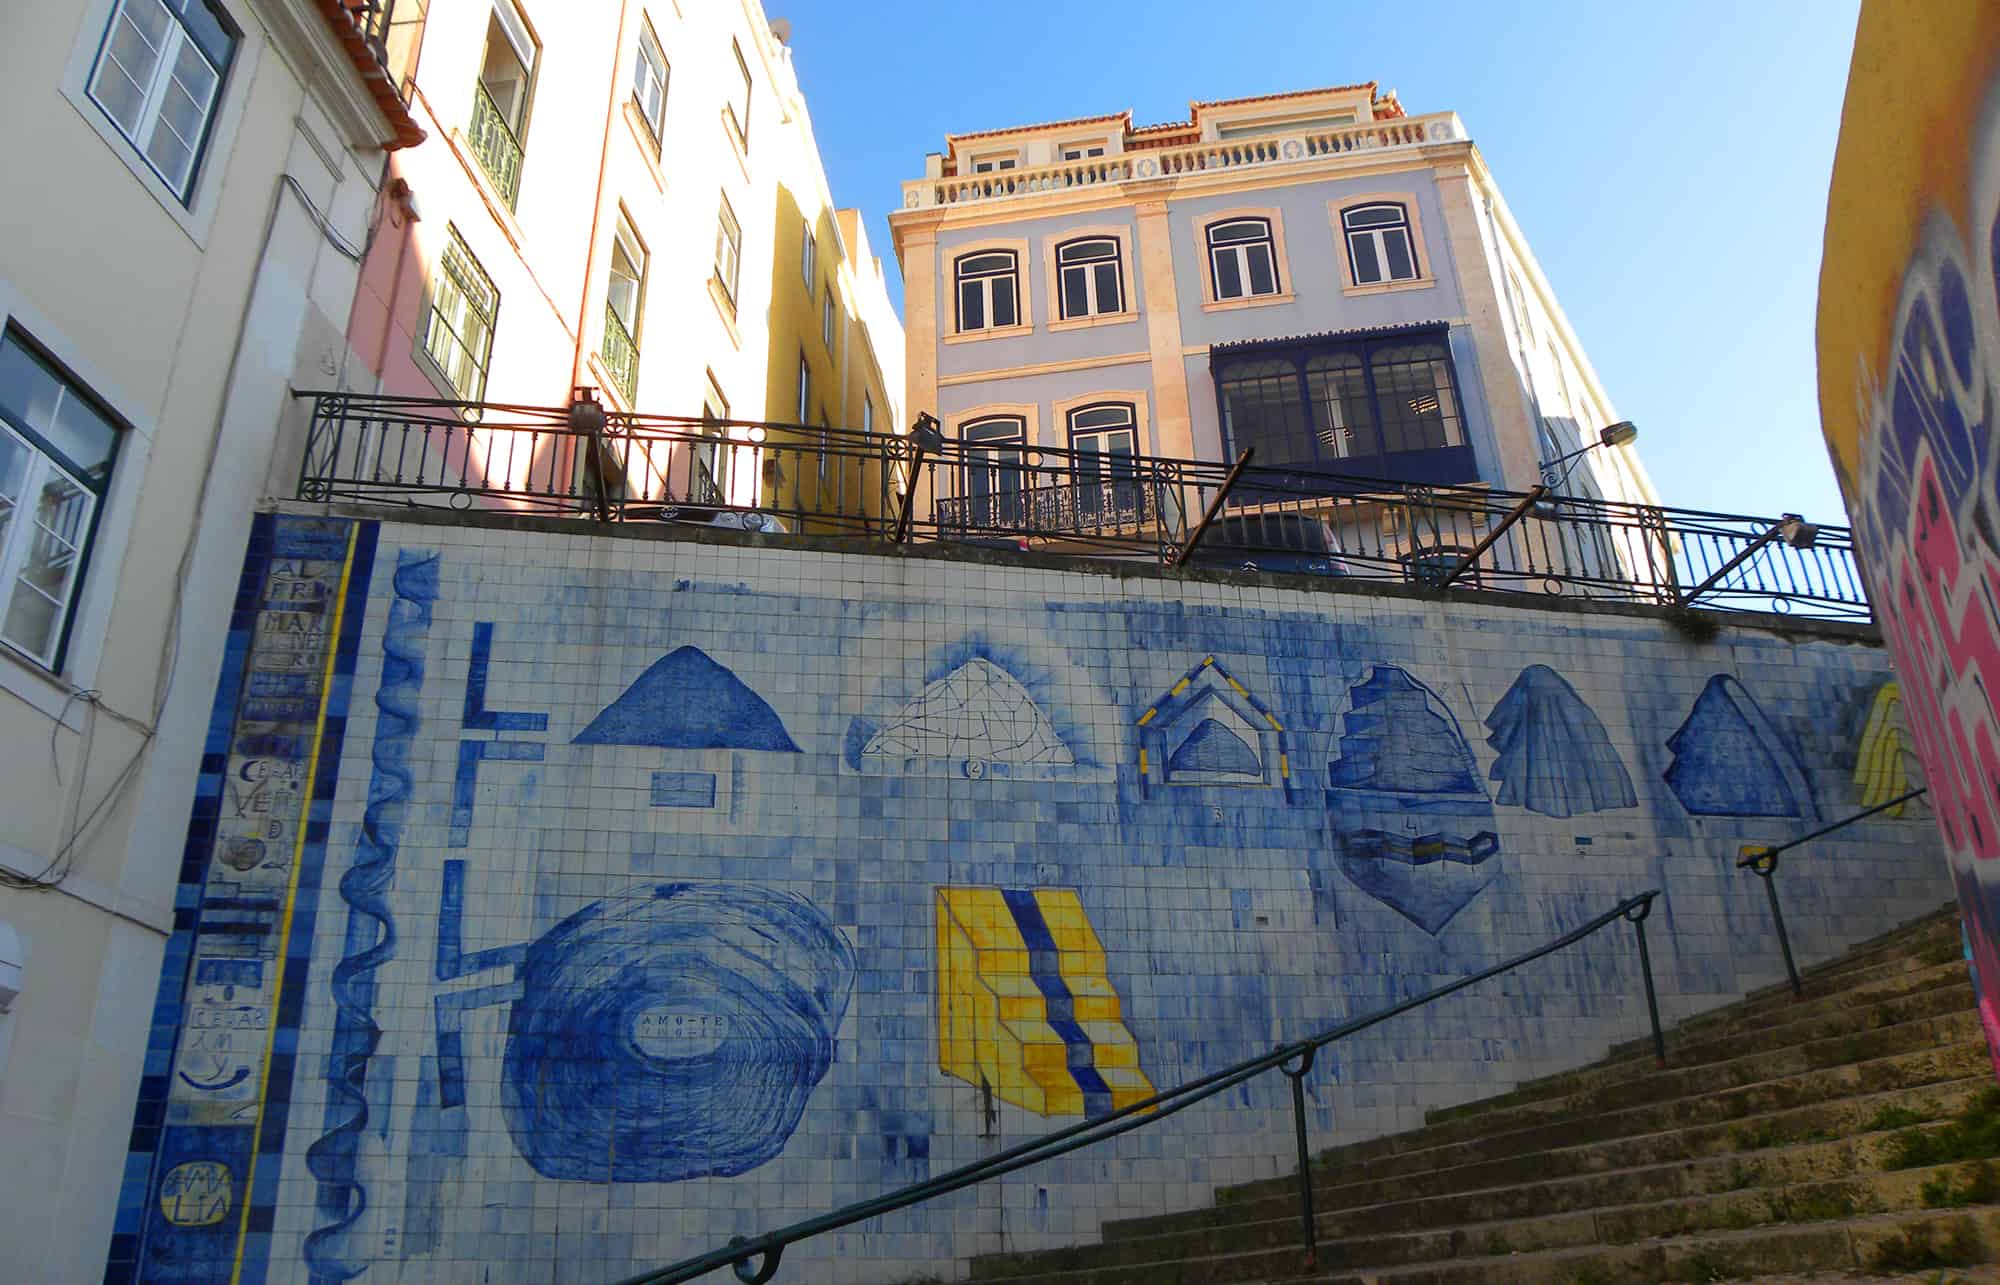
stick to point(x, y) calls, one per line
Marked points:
point(1392, 456)
point(228, 27)
point(1092, 281)
point(1245, 282)
point(961, 276)
point(1350, 234)
point(742, 124)
point(99, 487)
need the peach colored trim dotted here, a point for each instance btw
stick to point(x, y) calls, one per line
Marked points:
point(917, 251)
point(1174, 427)
point(1514, 436)
point(1249, 301)
point(1028, 413)
point(1141, 421)
point(1122, 234)
point(1277, 219)
point(724, 310)
point(1426, 261)
point(1022, 298)
point(1041, 368)
point(642, 138)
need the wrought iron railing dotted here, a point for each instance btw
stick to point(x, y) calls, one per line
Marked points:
point(493, 142)
point(1762, 861)
point(742, 1253)
point(922, 485)
point(621, 355)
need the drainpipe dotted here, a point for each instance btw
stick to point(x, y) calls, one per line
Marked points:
point(597, 208)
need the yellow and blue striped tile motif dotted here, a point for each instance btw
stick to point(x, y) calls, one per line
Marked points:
point(1026, 1008)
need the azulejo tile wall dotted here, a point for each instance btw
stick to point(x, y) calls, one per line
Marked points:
point(556, 905)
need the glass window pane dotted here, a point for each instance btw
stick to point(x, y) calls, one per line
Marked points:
point(1075, 292)
point(1240, 230)
point(1373, 216)
point(1263, 277)
point(1107, 288)
point(48, 571)
point(971, 306)
point(1367, 267)
point(36, 396)
point(1003, 301)
point(1396, 244)
point(1228, 276)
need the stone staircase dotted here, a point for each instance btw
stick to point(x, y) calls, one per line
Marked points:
point(1837, 1132)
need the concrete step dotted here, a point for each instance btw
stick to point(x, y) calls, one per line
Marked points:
point(1529, 1123)
point(1795, 1108)
point(1728, 1220)
point(1925, 994)
point(1589, 1177)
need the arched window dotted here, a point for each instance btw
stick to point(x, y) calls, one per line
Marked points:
point(1105, 437)
point(1416, 397)
point(993, 481)
point(1378, 244)
point(989, 290)
point(1091, 277)
point(1242, 258)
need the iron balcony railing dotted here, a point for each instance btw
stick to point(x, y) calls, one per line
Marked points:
point(755, 1260)
point(621, 355)
point(493, 142)
point(922, 485)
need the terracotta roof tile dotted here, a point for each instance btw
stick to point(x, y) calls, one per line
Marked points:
point(1387, 107)
point(953, 140)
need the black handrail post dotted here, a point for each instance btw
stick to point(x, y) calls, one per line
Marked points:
point(926, 435)
point(1306, 1218)
point(1637, 916)
point(1764, 864)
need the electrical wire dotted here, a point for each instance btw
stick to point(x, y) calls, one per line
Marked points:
point(59, 866)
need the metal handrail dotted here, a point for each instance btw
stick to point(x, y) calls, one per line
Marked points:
point(1762, 861)
point(1062, 501)
point(621, 354)
point(770, 1247)
point(493, 142)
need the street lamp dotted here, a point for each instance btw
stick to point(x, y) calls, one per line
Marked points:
point(1554, 474)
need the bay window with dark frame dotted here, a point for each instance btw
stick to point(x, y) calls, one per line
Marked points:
point(1370, 405)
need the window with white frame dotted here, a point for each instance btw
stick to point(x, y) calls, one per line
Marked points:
point(728, 250)
point(826, 319)
point(1379, 246)
point(1090, 276)
point(808, 252)
point(649, 84)
point(867, 413)
point(458, 328)
point(739, 105)
point(995, 161)
point(57, 447)
point(1243, 258)
point(805, 390)
point(158, 76)
point(1082, 151)
point(989, 290)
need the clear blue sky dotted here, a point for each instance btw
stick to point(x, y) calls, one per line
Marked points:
point(1668, 163)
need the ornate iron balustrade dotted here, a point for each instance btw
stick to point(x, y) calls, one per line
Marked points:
point(493, 142)
point(621, 354)
point(922, 486)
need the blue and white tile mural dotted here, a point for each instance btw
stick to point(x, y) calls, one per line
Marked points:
point(553, 908)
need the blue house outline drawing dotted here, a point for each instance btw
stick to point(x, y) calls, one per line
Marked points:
point(1210, 703)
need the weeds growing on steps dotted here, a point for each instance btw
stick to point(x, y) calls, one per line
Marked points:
point(1978, 1185)
point(1915, 1250)
point(1896, 1117)
point(1973, 1135)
